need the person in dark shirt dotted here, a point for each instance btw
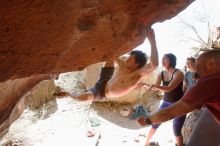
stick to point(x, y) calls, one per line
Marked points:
point(204, 93)
point(172, 81)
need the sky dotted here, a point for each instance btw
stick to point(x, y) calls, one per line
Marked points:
point(171, 35)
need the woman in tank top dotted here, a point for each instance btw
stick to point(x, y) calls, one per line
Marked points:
point(172, 81)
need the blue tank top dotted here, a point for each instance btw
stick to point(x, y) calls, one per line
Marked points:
point(175, 94)
point(189, 79)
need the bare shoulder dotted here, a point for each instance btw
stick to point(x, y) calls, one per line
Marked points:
point(121, 60)
point(179, 74)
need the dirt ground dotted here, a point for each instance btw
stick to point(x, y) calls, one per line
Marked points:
point(66, 122)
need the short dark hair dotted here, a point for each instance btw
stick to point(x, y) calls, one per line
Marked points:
point(140, 58)
point(172, 59)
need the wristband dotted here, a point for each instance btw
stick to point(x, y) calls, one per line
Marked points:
point(147, 121)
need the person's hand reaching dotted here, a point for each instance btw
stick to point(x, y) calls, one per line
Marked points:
point(151, 35)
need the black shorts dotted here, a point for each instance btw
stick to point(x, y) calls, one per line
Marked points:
point(99, 89)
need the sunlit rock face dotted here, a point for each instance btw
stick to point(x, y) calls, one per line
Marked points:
point(58, 36)
point(19, 94)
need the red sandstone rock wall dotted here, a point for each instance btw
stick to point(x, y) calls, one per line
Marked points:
point(12, 91)
point(51, 36)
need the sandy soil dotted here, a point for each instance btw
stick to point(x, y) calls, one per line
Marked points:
point(66, 122)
